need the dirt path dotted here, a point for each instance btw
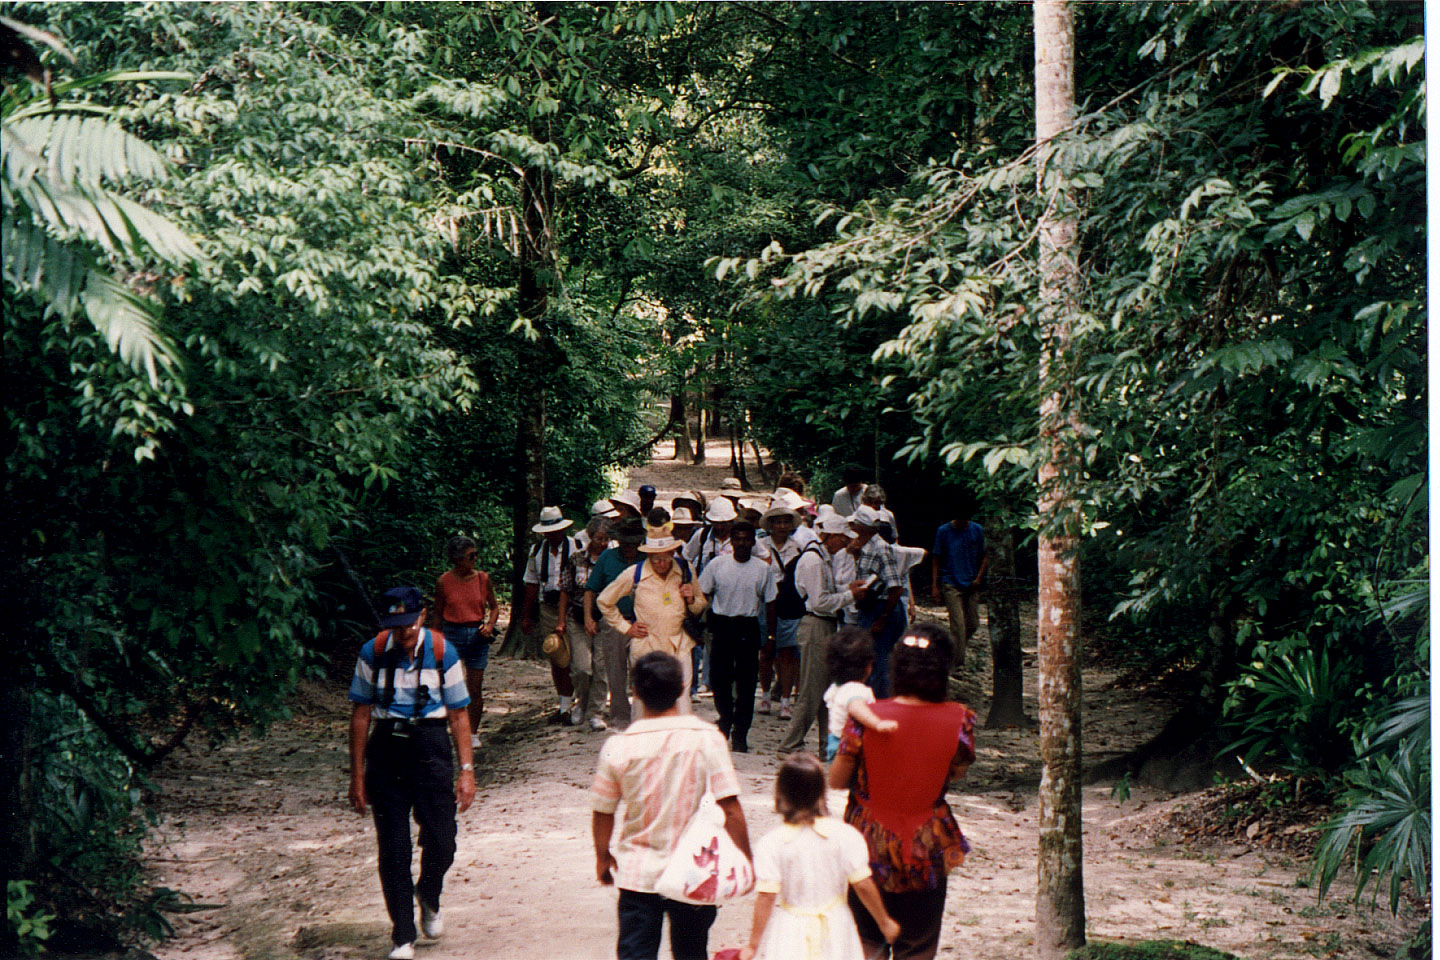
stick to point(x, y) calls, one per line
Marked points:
point(261, 829)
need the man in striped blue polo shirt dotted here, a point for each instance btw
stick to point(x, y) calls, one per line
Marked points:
point(403, 764)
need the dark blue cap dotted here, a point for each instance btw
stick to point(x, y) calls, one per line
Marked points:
point(400, 606)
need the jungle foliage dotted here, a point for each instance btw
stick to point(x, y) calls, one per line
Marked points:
point(294, 292)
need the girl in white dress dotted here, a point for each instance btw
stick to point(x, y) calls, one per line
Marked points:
point(802, 871)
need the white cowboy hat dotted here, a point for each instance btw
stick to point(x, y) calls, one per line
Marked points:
point(730, 483)
point(551, 519)
point(757, 505)
point(785, 497)
point(777, 510)
point(628, 497)
point(660, 545)
point(605, 509)
point(721, 510)
point(683, 517)
point(834, 523)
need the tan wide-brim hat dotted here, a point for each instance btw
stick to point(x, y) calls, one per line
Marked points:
point(660, 545)
point(777, 511)
point(551, 519)
point(630, 498)
point(693, 499)
point(683, 518)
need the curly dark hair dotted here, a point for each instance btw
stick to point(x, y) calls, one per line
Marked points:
point(920, 664)
point(800, 788)
point(791, 481)
point(849, 655)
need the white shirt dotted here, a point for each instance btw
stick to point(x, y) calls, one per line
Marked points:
point(552, 576)
point(838, 698)
point(738, 589)
point(843, 566)
point(699, 554)
point(812, 576)
point(844, 503)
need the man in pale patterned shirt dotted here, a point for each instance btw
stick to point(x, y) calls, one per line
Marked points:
point(660, 768)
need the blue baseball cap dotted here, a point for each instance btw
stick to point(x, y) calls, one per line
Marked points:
point(647, 489)
point(400, 606)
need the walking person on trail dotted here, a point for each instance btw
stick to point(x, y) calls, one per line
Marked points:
point(783, 540)
point(579, 621)
point(958, 571)
point(803, 869)
point(847, 497)
point(879, 565)
point(601, 510)
point(621, 558)
point(824, 599)
point(741, 588)
point(463, 595)
point(707, 543)
point(897, 783)
point(659, 770)
point(408, 694)
point(541, 605)
point(664, 595)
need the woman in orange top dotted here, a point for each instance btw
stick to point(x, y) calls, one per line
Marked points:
point(462, 597)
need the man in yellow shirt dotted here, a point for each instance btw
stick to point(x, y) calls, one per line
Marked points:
point(663, 596)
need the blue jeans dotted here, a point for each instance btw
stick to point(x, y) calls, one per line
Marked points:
point(469, 644)
point(894, 626)
point(641, 916)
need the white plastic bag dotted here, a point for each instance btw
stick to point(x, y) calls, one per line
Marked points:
point(706, 867)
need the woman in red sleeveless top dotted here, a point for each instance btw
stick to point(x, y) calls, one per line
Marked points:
point(897, 787)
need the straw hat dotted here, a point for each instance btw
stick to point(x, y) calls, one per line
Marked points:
point(721, 510)
point(777, 510)
point(605, 509)
point(660, 545)
point(551, 519)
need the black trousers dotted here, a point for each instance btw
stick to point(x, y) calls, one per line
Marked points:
point(405, 776)
point(734, 672)
point(642, 916)
point(919, 914)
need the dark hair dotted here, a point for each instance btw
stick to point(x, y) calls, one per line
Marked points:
point(800, 787)
point(967, 505)
point(849, 654)
point(920, 665)
point(791, 481)
point(657, 517)
point(740, 526)
point(854, 473)
point(455, 548)
point(628, 529)
point(873, 491)
point(658, 680)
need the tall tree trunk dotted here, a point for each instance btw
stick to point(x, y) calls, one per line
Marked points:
point(532, 301)
point(737, 457)
point(701, 437)
point(1002, 609)
point(682, 425)
point(1060, 891)
point(760, 462)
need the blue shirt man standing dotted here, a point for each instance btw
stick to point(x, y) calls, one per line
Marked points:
point(957, 573)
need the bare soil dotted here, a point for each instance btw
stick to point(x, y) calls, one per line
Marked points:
point(261, 830)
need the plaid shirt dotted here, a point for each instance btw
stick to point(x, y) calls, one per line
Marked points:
point(880, 558)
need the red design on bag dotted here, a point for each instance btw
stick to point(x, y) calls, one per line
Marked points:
point(709, 856)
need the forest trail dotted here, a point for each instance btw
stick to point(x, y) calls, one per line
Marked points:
point(260, 829)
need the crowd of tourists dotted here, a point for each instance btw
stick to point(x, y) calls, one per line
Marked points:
point(766, 603)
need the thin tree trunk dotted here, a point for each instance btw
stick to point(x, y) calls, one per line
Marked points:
point(737, 457)
point(1002, 608)
point(760, 462)
point(701, 439)
point(1060, 891)
point(532, 301)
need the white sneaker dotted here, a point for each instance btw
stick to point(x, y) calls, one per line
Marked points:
point(475, 741)
point(763, 706)
point(784, 708)
point(431, 923)
point(405, 951)
point(597, 724)
point(576, 715)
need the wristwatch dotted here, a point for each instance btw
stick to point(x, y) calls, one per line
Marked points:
point(467, 766)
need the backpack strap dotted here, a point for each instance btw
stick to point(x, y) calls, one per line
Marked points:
point(437, 650)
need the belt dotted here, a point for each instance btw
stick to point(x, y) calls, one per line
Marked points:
point(816, 616)
point(388, 724)
point(817, 925)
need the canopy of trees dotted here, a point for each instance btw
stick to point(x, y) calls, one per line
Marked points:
point(294, 292)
